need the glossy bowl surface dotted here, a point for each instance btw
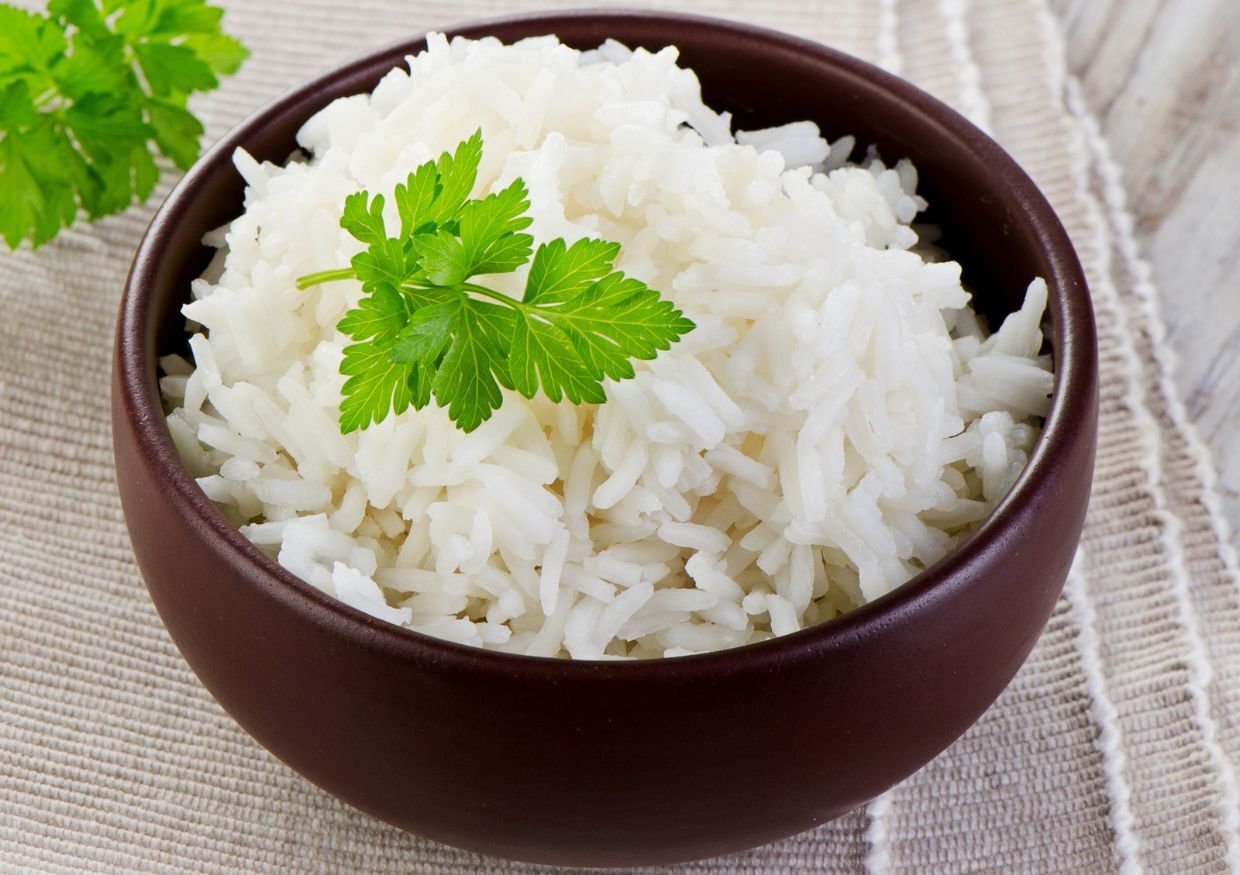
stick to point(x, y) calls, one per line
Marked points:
point(596, 763)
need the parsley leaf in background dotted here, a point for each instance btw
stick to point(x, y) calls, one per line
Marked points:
point(425, 329)
point(90, 94)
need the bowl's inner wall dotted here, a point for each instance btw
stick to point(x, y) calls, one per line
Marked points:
point(760, 86)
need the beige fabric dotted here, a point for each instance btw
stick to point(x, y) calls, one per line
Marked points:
point(1115, 749)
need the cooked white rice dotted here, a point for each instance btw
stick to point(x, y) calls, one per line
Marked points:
point(837, 421)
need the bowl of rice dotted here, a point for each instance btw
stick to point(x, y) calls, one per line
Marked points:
point(775, 572)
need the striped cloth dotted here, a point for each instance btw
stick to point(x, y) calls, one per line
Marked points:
point(1115, 749)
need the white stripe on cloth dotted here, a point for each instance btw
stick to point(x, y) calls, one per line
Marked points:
point(888, 52)
point(972, 100)
point(878, 858)
point(1127, 847)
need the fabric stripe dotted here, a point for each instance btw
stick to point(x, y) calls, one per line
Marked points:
point(972, 101)
point(927, 51)
point(888, 49)
point(1211, 591)
point(1127, 847)
point(878, 858)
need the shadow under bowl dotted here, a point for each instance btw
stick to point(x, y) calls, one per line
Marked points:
point(603, 763)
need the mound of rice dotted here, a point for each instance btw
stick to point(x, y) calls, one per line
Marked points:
point(837, 421)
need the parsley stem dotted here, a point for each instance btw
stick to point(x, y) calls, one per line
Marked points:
point(496, 296)
point(325, 276)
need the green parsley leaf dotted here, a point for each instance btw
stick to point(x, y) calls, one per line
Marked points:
point(427, 332)
point(415, 200)
point(558, 272)
point(495, 216)
point(90, 93)
point(621, 314)
point(486, 240)
point(111, 133)
point(457, 174)
point(362, 219)
point(29, 43)
point(82, 14)
point(172, 20)
point(469, 377)
point(382, 315)
point(376, 385)
point(443, 258)
point(543, 356)
point(385, 263)
point(16, 103)
point(427, 329)
point(175, 129)
point(97, 67)
point(39, 173)
point(172, 69)
point(136, 18)
point(224, 54)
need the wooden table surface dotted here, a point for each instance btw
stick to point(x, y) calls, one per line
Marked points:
point(1163, 78)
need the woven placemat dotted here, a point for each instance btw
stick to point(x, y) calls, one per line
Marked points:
point(1115, 749)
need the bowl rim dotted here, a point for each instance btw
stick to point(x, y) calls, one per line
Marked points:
point(1072, 396)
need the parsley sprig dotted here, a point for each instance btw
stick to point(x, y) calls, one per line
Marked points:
point(426, 329)
point(88, 93)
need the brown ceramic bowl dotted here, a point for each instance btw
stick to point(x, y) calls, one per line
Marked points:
point(603, 763)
